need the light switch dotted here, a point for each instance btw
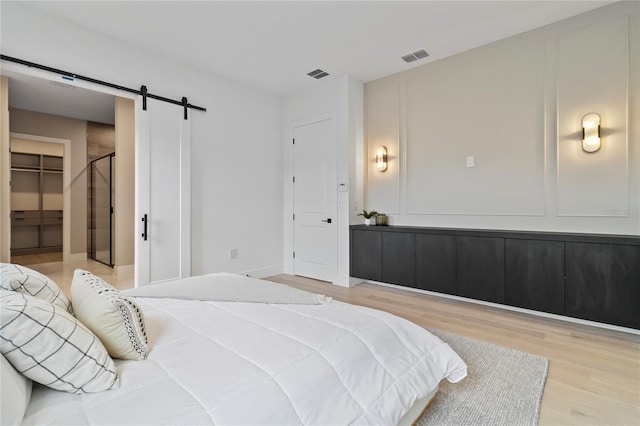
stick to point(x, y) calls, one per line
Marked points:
point(471, 161)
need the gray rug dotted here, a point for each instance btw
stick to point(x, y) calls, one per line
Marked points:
point(503, 386)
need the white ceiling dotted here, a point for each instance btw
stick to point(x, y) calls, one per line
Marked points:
point(36, 94)
point(271, 45)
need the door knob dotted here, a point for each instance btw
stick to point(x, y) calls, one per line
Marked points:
point(326, 220)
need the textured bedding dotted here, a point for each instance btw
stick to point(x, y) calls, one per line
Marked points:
point(226, 287)
point(214, 362)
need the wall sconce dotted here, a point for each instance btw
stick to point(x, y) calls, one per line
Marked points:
point(381, 159)
point(591, 132)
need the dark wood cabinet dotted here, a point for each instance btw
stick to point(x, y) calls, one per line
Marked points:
point(480, 266)
point(436, 263)
point(587, 276)
point(603, 283)
point(534, 275)
point(399, 258)
point(366, 255)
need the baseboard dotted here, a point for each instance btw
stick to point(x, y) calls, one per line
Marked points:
point(124, 269)
point(343, 281)
point(263, 272)
point(513, 308)
point(75, 257)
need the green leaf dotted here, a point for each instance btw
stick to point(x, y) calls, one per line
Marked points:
point(369, 215)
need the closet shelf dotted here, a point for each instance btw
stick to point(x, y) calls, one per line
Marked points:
point(36, 197)
point(25, 169)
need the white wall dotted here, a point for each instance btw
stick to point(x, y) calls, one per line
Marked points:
point(516, 106)
point(340, 97)
point(237, 194)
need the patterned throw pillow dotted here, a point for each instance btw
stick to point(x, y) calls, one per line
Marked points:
point(115, 319)
point(51, 347)
point(20, 278)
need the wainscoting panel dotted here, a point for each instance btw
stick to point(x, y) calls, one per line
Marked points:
point(593, 76)
point(491, 109)
point(383, 129)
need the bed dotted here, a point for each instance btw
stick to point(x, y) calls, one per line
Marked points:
point(227, 349)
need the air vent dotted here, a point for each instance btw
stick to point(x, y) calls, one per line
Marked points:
point(418, 54)
point(317, 74)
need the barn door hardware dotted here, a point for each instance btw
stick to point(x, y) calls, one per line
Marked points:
point(143, 92)
point(69, 77)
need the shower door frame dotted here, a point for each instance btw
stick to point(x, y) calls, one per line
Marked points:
point(92, 248)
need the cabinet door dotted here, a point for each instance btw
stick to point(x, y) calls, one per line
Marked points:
point(603, 283)
point(436, 263)
point(480, 267)
point(366, 255)
point(625, 280)
point(535, 275)
point(399, 258)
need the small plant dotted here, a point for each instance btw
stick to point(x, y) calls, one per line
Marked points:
point(368, 214)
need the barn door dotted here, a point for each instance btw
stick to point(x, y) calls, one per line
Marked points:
point(163, 193)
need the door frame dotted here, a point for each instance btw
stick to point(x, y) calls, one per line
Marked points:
point(289, 225)
point(50, 76)
point(66, 190)
point(185, 262)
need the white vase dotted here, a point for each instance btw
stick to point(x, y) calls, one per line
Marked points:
point(370, 221)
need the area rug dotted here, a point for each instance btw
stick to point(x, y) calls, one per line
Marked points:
point(503, 387)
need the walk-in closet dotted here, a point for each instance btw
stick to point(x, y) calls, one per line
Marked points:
point(37, 202)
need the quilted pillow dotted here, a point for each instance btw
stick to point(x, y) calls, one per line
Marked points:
point(50, 346)
point(115, 319)
point(33, 283)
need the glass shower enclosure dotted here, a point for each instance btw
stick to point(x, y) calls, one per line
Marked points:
point(101, 199)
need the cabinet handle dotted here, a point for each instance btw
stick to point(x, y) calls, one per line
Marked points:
point(326, 220)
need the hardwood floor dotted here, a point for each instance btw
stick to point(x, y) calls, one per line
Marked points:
point(594, 374)
point(51, 265)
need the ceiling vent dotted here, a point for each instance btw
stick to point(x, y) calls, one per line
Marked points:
point(418, 54)
point(317, 74)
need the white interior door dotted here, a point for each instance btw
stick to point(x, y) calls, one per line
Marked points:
point(163, 189)
point(315, 232)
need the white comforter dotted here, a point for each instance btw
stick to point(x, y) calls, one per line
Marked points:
point(254, 363)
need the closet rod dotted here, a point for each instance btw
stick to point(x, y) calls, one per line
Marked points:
point(69, 75)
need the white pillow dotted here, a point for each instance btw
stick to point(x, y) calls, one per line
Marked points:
point(51, 347)
point(16, 393)
point(33, 283)
point(116, 319)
